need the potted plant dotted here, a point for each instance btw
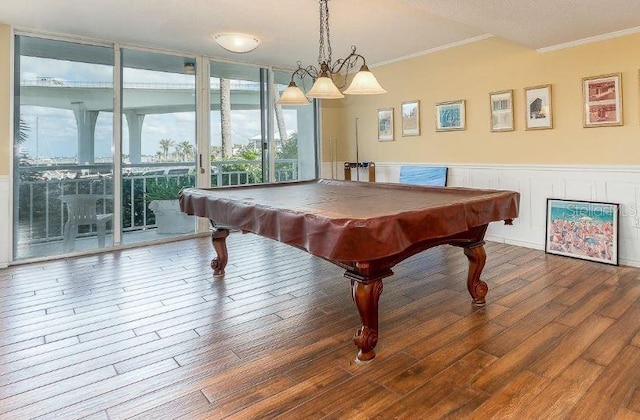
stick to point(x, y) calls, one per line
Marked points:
point(162, 196)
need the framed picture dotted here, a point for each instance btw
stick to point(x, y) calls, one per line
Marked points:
point(450, 116)
point(602, 97)
point(385, 124)
point(582, 229)
point(501, 110)
point(411, 118)
point(538, 113)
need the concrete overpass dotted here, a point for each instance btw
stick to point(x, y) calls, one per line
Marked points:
point(87, 100)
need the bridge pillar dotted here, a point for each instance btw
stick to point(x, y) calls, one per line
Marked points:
point(134, 122)
point(86, 122)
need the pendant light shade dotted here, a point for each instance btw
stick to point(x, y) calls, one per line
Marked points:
point(324, 88)
point(364, 83)
point(292, 95)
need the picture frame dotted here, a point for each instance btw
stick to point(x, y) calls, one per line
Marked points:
point(410, 118)
point(385, 124)
point(602, 99)
point(451, 115)
point(582, 229)
point(501, 105)
point(538, 108)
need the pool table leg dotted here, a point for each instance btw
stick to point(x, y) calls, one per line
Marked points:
point(366, 296)
point(218, 239)
point(477, 288)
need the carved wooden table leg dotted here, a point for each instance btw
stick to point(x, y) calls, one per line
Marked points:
point(218, 239)
point(366, 296)
point(477, 288)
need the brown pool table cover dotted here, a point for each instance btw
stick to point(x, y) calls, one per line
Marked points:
point(350, 221)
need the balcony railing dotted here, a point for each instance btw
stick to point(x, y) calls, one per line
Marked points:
point(41, 215)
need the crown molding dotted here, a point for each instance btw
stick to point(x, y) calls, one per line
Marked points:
point(434, 50)
point(590, 40)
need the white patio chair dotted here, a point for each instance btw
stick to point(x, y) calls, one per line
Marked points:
point(81, 211)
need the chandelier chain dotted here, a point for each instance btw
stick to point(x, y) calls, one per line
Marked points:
point(324, 53)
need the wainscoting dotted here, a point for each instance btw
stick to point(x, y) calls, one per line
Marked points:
point(536, 183)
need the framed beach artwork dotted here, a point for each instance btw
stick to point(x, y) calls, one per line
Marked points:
point(501, 110)
point(582, 229)
point(538, 113)
point(450, 116)
point(602, 97)
point(410, 118)
point(385, 124)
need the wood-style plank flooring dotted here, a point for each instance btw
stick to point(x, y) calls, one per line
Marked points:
point(148, 333)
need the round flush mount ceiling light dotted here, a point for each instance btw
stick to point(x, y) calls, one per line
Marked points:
point(237, 42)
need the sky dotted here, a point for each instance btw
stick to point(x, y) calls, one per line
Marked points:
point(53, 130)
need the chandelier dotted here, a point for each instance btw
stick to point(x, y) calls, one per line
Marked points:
point(324, 87)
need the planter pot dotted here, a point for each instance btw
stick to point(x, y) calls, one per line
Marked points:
point(170, 219)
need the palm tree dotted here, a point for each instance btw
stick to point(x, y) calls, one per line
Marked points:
point(164, 145)
point(282, 129)
point(23, 131)
point(225, 118)
point(185, 149)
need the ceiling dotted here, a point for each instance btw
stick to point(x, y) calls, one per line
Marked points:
point(383, 30)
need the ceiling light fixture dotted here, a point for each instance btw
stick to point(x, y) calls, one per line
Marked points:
point(324, 87)
point(237, 42)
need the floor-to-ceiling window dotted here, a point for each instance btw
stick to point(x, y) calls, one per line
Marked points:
point(82, 171)
point(158, 143)
point(63, 168)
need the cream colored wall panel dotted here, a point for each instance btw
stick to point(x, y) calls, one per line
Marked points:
point(625, 194)
point(541, 190)
point(6, 51)
point(579, 189)
point(5, 227)
point(458, 177)
point(481, 178)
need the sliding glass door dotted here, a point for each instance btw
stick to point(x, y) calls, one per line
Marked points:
point(63, 164)
point(158, 143)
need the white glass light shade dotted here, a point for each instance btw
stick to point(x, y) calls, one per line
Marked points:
point(364, 83)
point(236, 42)
point(324, 88)
point(292, 95)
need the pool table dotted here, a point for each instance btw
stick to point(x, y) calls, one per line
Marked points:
point(366, 228)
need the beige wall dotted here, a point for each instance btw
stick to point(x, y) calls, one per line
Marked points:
point(470, 72)
point(5, 99)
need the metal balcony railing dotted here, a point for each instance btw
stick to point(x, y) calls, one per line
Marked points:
point(41, 215)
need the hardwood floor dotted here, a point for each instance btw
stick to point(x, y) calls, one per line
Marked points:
point(148, 333)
